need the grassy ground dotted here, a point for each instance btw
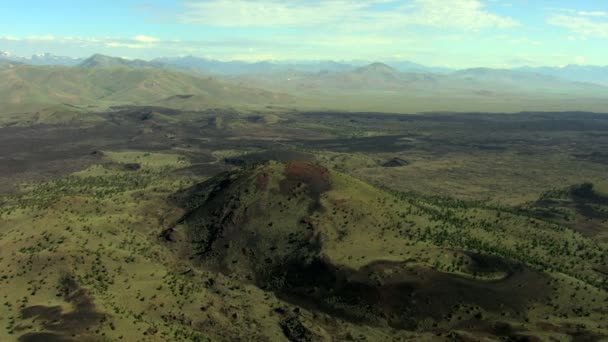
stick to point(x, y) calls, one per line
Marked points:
point(393, 240)
point(81, 253)
point(100, 227)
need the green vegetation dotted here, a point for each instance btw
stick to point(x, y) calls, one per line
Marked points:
point(404, 235)
point(59, 94)
point(151, 224)
point(148, 160)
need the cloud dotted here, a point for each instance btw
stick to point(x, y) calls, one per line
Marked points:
point(343, 14)
point(146, 39)
point(126, 45)
point(42, 38)
point(581, 25)
point(593, 13)
point(464, 14)
point(270, 13)
point(523, 40)
point(138, 42)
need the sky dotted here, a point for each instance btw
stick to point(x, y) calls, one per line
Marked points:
point(448, 33)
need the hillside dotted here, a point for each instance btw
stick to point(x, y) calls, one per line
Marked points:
point(379, 87)
point(102, 61)
point(580, 207)
point(323, 240)
point(574, 73)
point(377, 77)
point(376, 68)
point(153, 224)
point(101, 83)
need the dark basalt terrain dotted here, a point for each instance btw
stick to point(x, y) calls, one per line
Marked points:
point(265, 225)
point(579, 207)
point(64, 326)
point(156, 224)
point(395, 162)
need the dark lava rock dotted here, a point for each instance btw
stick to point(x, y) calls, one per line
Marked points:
point(97, 153)
point(182, 97)
point(283, 156)
point(295, 331)
point(131, 167)
point(234, 161)
point(395, 162)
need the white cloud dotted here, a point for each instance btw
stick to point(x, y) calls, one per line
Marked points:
point(465, 14)
point(346, 15)
point(146, 39)
point(139, 42)
point(580, 25)
point(593, 13)
point(524, 40)
point(126, 45)
point(42, 38)
point(269, 13)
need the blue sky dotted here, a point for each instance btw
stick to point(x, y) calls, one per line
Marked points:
point(453, 33)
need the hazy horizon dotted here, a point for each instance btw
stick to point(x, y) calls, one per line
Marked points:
point(455, 34)
point(352, 62)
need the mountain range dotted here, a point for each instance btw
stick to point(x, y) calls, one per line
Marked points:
point(193, 83)
point(574, 73)
point(380, 77)
point(40, 59)
point(100, 82)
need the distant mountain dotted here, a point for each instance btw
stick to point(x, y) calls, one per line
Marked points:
point(530, 81)
point(103, 61)
point(504, 75)
point(184, 83)
point(211, 66)
point(382, 77)
point(99, 83)
point(376, 68)
point(50, 59)
point(375, 74)
point(249, 68)
point(381, 87)
point(6, 60)
point(577, 73)
point(325, 66)
point(40, 59)
point(214, 66)
point(406, 66)
point(240, 67)
point(374, 77)
point(205, 66)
